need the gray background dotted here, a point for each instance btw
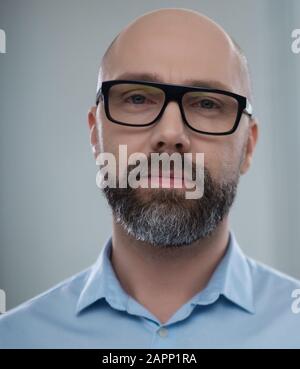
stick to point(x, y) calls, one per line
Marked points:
point(53, 219)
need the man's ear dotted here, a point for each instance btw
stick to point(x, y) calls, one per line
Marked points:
point(250, 146)
point(94, 139)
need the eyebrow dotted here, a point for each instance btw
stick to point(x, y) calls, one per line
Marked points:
point(153, 77)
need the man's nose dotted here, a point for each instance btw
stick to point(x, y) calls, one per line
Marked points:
point(170, 134)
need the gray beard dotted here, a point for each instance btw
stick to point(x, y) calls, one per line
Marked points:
point(165, 218)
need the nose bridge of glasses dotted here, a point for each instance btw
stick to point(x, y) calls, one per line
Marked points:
point(172, 93)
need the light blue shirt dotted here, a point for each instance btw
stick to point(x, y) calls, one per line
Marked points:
point(244, 305)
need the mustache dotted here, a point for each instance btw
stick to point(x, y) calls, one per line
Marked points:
point(184, 167)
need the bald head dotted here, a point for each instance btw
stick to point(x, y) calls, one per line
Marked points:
point(179, 40)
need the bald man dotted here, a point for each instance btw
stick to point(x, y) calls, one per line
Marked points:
point(172, 274)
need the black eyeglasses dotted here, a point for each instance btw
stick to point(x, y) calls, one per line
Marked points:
point(142, 103)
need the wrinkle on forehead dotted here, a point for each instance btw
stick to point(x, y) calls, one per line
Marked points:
point(187, 25)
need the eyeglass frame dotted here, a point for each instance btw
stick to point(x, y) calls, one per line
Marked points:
point(175, 93)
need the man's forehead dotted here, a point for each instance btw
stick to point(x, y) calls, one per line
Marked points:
point(171, 43)
point(198, 71)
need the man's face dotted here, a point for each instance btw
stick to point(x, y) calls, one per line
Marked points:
point(177, 48)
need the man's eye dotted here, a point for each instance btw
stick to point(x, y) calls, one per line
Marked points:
point(207, 104)
point(136, 99)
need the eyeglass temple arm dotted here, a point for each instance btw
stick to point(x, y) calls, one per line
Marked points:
point(99, 96)
point(248, 110)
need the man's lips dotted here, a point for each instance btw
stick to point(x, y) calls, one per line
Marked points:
point(166, 179)
point(170, 175)
point(166, 176)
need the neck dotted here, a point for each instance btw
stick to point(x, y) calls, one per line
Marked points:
point(163, 279)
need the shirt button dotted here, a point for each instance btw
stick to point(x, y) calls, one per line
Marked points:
point(163, 332)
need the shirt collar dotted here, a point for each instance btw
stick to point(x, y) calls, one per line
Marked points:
point(102, 282)
point(232, 279)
